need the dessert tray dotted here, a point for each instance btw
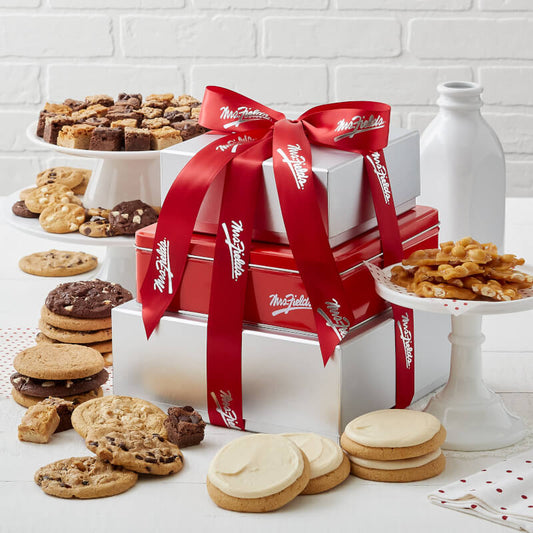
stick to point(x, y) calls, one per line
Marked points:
point(475, 417)
point(136, 173)
point(118, 264)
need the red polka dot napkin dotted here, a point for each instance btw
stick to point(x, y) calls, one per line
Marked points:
point(502, 493)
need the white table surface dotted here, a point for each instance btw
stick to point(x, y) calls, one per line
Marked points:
point(181, 503)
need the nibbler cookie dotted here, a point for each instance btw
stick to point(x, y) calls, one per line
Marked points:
point(395, 445)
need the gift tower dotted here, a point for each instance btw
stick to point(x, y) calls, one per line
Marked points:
point(254, 303)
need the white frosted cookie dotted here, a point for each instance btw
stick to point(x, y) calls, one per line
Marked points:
point(257, 473)
point(329, 465)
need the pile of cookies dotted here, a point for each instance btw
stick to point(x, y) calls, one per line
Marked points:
point(72, 372)
point(128, 437)
point(128, 123)
point(55, 203)
point(463, 270)
point(79, 312)
point(395, 445)
point(262, 472)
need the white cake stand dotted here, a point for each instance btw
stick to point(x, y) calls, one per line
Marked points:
point(119, 176)
point(475, 417)
point(118, 264)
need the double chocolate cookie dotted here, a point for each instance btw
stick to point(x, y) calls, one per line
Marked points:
point(87, 299)
point(128, 217)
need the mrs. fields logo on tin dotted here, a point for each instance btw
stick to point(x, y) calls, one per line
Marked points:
point(297, 164)
point(241, 114)
point(162, 266)
point(358, 124)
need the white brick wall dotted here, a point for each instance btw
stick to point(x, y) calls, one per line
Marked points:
point(291, 54)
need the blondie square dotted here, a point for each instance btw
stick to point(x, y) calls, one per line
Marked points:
point(155, 123)
point(101, 99)
point(75, 136)
point(38, 423)
point(164, 137)
point(99, 109)
point(151, 112)
point(124, 123)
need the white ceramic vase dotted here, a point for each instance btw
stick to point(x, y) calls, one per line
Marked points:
point(462, 167)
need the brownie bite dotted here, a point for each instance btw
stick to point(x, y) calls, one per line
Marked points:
point(75, 105)
point(107, 139)
point(136, 139)
point(75, 136)
point(63, 409)
point(124, 112)
point(53, 125)
point(189, 128)
point(100, 99)
point(164, 137)
point(133, 100)
point(43, 115)
point(173, 114)
point(184, 426)
point(98, 121)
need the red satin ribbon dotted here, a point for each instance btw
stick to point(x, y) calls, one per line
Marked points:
point(256, 132)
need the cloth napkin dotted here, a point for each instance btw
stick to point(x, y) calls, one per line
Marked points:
point(502, 493)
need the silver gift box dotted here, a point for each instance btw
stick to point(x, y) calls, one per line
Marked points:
point(343, 194)
point(285, 385)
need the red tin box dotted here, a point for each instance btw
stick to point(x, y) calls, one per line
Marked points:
point(276, 294)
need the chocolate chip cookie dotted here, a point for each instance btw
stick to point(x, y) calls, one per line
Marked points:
point(84, 477)
point(96, 228)
point(145, 453)
point(128, 217)
point(86, 299)
point(69, 176)
point(58, 263)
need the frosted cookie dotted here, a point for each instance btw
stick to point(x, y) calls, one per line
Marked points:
point(69, 176)
point(74, 337)
point(118, 412)
point(28, 401)
point(257, 473)
point(329, 465)
point(62, 218)
point(395, 445)
point(73, 323)
point(139, 451)
point(84, 477)
point(58, 263)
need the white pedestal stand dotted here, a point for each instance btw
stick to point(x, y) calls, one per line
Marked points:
point(119, 176)
point(475, 417)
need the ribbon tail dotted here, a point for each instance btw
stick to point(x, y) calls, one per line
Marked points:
point(307, 236)
point(228, 287)
point(378, 177)
point(176, 225)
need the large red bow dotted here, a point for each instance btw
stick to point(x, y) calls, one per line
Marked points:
point(255, 133)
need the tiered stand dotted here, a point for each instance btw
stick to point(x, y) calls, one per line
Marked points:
point(475, 417)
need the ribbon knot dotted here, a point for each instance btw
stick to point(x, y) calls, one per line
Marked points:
point(253, 133)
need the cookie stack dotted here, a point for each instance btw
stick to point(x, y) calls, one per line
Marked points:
point(395, 445)
point(80, 313)
point(74, 373)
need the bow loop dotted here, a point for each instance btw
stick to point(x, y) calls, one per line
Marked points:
point(227, 111)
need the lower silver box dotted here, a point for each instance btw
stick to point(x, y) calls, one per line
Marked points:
point(285, 385)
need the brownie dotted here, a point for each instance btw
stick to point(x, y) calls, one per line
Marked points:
point(132, 100)
point(184, 426)
point(176, 116)
point(53, 125)
point(136, 139)
point(123, 112)
point(108, 139)
point(43, 115)
point(75, 105)
point(189, 128)
point(99, 99)
point(64, 410)
point(97, 121)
